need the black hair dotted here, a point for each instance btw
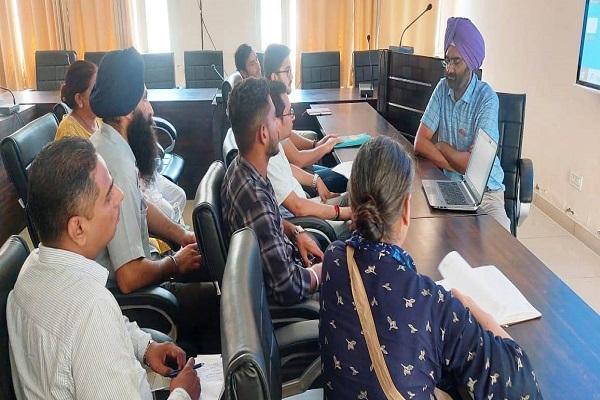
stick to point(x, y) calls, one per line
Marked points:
point(277, 90)
point(273, 58)
point(247, 108)
point(61, 186)
point(241, 56)
point(77, 80)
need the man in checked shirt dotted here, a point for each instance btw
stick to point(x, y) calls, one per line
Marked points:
point(248, 198)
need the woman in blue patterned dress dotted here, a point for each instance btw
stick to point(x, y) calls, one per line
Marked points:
point(428, 337)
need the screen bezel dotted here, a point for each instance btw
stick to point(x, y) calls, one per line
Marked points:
point(584, 23)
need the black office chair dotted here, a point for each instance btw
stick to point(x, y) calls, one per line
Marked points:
point(172, 164)
point(254, 353)
point(159, 70)
point(320, 70)
point(366, 67)
point(51, 67)
point(60, 110)
point(18, 151)
point(518, 172)
point(12, 256)
point(199, 71)
point(94, 56)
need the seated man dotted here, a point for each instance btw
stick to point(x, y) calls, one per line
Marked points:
point(248, 198)
point(119, 98)
point(460, 105)
point(287, 178)
point(246, 62)
point(67, 336)
point(302, 151)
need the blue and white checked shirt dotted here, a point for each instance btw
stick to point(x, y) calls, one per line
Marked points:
point(248, 200)
point(457, 123)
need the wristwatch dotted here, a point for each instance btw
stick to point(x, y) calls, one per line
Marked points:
point(315, 179)
point(297, 230)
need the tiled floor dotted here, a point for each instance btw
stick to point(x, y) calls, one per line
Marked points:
point(575, 263)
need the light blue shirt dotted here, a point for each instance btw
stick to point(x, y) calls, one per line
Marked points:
point(457, 123)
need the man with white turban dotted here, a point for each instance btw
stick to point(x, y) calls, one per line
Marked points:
point(461, 104)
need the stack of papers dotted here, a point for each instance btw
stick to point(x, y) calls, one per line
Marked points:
point(353, 140)
point(318, 111)
point(210, 375)
point(344, 168)
point(489, 288)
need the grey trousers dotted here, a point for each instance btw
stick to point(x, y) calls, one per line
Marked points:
point(493, 205)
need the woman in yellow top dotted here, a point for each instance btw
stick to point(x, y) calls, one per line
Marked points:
point(81, 121)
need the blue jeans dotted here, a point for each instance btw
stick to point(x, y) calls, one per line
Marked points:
point(336, 183)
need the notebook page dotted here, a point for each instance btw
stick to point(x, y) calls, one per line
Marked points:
point(517, 309)
point(458, 274)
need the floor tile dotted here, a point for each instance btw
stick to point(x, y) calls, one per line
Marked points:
point(565, 256)
point(538, 224)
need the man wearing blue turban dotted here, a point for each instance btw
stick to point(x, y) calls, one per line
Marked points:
point(461, 104)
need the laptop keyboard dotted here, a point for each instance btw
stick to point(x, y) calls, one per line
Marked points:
point(452, 193)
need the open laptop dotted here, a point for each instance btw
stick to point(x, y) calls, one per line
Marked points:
point(467, 194)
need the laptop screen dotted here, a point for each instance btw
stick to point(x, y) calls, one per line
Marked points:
point(480, 164)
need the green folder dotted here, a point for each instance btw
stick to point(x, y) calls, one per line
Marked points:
point(353, 140)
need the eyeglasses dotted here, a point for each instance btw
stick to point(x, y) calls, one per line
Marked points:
point(455, 62)
point(291, 114)
point(287, 71)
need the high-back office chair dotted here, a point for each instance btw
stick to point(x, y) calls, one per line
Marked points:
point(159, 70)
point(199, 71)
point(366, 67)
point(252, 350)
point(320, 70)
point(94, 56)
point(51, 67)
point(12, 256)
point(208, 222)
point(18, 151)
point(518, 172)
point(60, 110)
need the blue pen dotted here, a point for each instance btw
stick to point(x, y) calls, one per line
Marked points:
point(174, 373)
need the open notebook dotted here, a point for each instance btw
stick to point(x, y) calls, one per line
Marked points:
point(210, 374)
point(489, 288)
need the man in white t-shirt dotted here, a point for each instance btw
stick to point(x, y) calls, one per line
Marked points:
point(287, 179)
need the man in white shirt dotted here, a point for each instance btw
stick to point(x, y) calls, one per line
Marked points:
point(287, 179)
point(68, 338)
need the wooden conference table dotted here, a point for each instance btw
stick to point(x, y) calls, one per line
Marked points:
point(564, 345)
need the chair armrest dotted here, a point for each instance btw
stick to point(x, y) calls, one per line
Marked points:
point(299, 337)
point(151, 296)
point(164, 126)
point(158, 336)
point(526, 180)
point(307, 310)
point(314, 223)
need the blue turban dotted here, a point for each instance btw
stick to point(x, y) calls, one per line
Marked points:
point(464, 35)
point(119, 84)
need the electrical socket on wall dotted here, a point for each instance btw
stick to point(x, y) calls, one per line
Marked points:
point(576, 180)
